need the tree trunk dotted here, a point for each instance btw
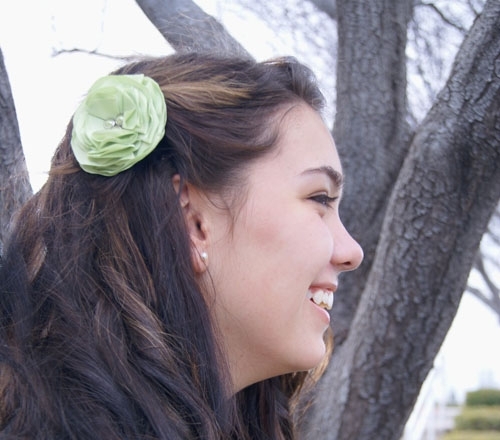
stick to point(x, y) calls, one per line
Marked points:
point(14, 180)
point(187, 27)
point(370, 129)
point(446, 192)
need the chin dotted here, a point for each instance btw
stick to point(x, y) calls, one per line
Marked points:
point(312, 359)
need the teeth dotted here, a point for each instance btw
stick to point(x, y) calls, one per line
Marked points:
point(330, 301)
point(322, 298)
point(319, 297)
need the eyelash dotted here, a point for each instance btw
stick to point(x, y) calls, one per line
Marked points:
point(325, 200)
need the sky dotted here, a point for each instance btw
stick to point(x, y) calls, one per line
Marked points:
point(48, 88)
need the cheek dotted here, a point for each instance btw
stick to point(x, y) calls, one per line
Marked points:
point(310, 247)
point(265, 227)
point(292, 245)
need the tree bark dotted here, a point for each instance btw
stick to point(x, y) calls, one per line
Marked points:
point(447, 190)
point(15, 188)
point(329, 7)
point(370, 129)
point(187, 27)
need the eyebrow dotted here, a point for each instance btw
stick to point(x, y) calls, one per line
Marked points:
point(336, 177)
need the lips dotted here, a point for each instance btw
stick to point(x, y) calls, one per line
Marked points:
point(321, 297)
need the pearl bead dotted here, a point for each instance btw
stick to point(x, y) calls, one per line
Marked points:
point(110, 123)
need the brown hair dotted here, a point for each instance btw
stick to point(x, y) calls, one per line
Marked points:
point(104, 331)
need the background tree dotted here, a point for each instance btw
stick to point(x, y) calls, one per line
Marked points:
point(418, 198)
point(14, 180)
point(486, 265)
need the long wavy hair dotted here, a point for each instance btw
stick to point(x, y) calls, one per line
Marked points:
point(104, 330)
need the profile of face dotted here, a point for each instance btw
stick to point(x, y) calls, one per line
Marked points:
point(274, 265)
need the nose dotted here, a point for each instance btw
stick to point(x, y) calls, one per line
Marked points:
point(347, 253)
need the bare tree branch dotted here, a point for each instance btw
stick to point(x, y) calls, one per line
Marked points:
point(443, 16)
point(57, 52)
point(493, 301)
point(473, 8)
point(479, 266)
point(493, 236)
point(187, 27)
point(493, 230)
point(329, 7)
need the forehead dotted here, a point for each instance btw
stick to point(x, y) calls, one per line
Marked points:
point(305, 142)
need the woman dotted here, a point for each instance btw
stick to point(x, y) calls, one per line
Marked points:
point(171, 279)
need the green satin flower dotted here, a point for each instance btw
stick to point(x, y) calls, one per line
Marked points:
point(121, 120)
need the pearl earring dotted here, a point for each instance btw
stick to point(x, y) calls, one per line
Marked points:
point(204, 256)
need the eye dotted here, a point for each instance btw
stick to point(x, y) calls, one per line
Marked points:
point(324, 199)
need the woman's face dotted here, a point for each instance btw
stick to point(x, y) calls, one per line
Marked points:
point(285, 245)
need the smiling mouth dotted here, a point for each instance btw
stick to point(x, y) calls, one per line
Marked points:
point(322, 298)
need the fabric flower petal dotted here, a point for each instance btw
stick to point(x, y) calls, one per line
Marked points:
point(121, 120)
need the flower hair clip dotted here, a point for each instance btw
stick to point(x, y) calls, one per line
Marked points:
point(121, 120)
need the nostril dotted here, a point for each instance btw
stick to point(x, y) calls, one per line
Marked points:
point(356, 257)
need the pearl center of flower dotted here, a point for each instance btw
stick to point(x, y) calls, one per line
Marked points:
point(111, 123)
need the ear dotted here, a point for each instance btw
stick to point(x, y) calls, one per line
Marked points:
point(193, 205)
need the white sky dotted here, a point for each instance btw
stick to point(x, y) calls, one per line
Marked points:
point(47, 89)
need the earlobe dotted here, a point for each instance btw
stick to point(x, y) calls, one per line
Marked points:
point(192, 204)
point(199, 243)
point(200, 260)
